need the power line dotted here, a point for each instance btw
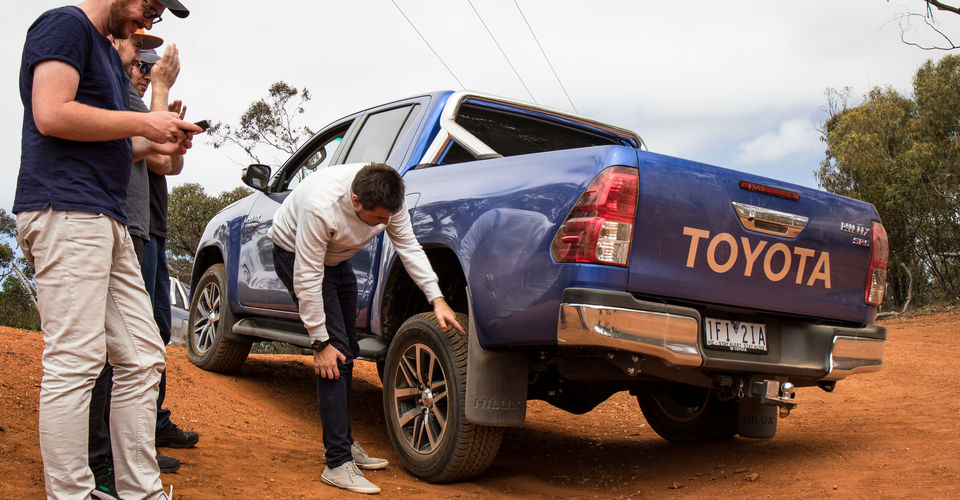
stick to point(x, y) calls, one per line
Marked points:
point(555, 75)
point(428, 43)
point(504, 54)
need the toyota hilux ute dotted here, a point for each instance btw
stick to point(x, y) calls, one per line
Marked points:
point(583, 264)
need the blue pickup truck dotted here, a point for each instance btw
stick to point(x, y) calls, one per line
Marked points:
point(583, 264)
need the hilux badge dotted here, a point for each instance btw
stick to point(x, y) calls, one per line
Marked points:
point(859, 231)
point(848, 227)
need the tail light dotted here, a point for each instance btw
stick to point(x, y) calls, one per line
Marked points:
point(599, 228)
point(877, 276)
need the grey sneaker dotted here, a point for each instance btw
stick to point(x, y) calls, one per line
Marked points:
point(365, 461)
point(349, 477)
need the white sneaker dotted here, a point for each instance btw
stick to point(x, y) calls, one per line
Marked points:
point(349, 477)
point(365, 461)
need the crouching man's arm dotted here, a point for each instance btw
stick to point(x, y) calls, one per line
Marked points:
point(415, 261)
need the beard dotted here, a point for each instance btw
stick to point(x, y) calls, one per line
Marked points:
point(118, 20)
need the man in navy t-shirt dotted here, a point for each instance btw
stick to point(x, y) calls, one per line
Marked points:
point(78, 142)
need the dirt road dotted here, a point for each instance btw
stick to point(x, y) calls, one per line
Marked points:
point(892, 434)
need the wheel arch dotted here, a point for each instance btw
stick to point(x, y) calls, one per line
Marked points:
point(402, 299)
point(206, 257)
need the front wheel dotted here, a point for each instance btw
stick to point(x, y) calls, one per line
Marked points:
point(210, 320)
point(683, 413)
point(424, 391)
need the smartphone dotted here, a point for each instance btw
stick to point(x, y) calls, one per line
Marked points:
point(204, 124)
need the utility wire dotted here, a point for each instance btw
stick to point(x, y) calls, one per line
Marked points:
point(547, 58)
point(504, 54)
point(428, 43)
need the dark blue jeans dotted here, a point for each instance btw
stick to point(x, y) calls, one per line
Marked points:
point(156, 278)
point(100, 456)
point(333, 395)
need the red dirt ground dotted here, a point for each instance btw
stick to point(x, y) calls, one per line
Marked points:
point(892, 434)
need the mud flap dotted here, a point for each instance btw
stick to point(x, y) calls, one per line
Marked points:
point(496, 383)
point(756, 420)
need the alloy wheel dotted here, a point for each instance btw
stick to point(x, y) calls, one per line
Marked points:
point(420, 394)
point(208, 318)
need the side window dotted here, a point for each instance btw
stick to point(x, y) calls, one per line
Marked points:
point(455, 153)
point(320, 158)
point(380, 134)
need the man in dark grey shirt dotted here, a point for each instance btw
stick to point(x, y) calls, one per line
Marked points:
point(161, 73)
point(138, 191)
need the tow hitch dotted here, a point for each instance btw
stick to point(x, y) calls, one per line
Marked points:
point(773, 393)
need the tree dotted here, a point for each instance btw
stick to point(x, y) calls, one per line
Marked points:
point(180, 267)
point(16, 308)
point(190, 210)
point(268, 122)
point(937, 157)
point(901, 154)
point(928, 19)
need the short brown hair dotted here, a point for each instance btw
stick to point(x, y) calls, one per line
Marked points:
point(379, 185)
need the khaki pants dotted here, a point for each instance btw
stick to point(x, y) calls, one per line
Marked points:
point(93, 303)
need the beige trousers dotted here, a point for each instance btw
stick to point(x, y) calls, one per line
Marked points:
point(93, 303)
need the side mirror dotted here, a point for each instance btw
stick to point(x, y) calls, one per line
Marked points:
point(257, 176)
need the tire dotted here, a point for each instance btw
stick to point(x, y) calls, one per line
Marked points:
point(424, 390)
point(210, 319)
point(683, 413)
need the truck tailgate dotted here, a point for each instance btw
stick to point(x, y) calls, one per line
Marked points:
point(690, 241)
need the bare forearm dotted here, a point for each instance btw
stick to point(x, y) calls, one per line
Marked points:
point(165, 165)
point(57, 113)
point(159, 98)
point(142, 148)
point(75, 121)
point(145, 149)
point(176, 165)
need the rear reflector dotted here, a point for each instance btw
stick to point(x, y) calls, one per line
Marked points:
point(877, 275)
point(599, 228)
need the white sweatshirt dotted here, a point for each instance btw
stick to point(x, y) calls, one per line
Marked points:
point(317, 221)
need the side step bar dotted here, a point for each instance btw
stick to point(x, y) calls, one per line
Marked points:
point(371, 348)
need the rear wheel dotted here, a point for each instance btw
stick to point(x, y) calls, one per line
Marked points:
point(683, 413)
point(424, 390)
point(210, 320)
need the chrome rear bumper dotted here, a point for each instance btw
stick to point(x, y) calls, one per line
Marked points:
point(803, 351)
point(669, 333)
point(850, 355)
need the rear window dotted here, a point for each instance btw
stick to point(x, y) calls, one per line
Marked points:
point(512, 133)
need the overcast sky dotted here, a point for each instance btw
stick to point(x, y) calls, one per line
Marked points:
point(738, 84)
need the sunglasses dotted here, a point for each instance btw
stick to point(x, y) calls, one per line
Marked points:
point(150, 13)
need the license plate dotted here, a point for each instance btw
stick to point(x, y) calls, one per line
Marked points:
point(737, 336)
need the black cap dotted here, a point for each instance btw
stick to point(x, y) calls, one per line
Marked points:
point(176, 7)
